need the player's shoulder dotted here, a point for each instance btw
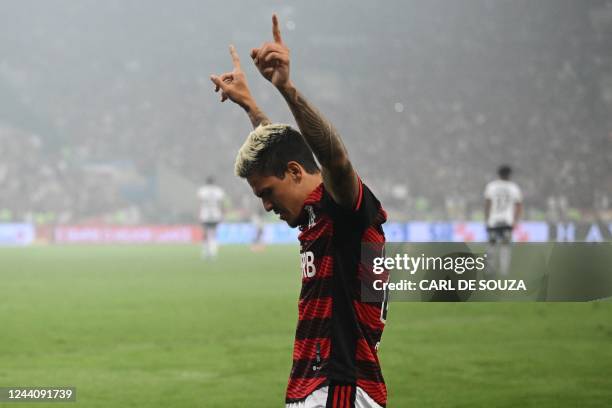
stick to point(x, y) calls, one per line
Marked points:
point(509, 184)
point(324, 198)
point(516, 189)
point(210, 189)
point(503, 184)
point(368, 209)
point(491, 186)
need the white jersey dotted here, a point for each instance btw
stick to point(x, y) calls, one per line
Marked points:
point(211, 198)
point(504, 194)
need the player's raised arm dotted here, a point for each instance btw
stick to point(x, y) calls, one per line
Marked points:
point(233, 86)
point(272, 61)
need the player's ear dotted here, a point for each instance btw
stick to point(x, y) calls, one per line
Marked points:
point(295, 171)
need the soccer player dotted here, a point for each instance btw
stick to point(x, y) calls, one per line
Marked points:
point(335, 362)
point(257, 220)
point(503, 208)
point(211, 214)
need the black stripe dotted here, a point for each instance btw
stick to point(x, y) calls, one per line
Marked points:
point(371, 336)
point(330, 396)
point(352, 397)
point(370, 371)
point(312, 328)
point(316, 288)
point(344, 334)
point(369, 295)
point(305, 368)
point(316, 246)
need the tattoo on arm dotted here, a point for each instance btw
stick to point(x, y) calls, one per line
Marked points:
point(319, 133)
point(339, 176)
point(257, 117)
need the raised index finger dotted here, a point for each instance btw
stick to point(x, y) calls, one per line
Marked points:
point(235, 58)
point(276, 30)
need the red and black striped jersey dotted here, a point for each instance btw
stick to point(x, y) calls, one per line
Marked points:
point(337, 335)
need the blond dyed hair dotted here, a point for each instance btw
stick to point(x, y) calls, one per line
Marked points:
point(269, 148)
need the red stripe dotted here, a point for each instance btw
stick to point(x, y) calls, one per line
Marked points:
point(376, 391)
point(368, 371)
point(324, 266)
point(348, 396)
point(323, 227)
point(365, 352)
point(360, 197)
point(300, 388)
point(315, 195)
point(342, 396)
point(318, 308)
point(335, 397)
point(381, 217)
point(365, 272)
point(368, 315)
point(373, 234)
point(307, 349)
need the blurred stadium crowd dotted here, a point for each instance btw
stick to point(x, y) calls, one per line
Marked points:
point(110, 117)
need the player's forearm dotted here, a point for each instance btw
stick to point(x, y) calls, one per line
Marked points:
point(256, 115)
point(318, 132)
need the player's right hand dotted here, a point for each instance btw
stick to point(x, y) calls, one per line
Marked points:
point(233, 84)
point(272, 58)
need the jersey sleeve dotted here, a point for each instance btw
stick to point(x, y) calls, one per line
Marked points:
point(220, 194)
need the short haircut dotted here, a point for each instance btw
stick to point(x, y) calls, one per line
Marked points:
point(269, 148)
point(504, 171)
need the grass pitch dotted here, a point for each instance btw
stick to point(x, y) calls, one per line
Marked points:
point(158, 327)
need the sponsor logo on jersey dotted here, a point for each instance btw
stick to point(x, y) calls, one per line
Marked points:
point(308, 267)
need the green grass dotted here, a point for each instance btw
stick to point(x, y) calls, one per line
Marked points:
point(159, 327)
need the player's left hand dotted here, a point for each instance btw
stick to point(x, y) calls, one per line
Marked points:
point(233, 84)
point(272, 58)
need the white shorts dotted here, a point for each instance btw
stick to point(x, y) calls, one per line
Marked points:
point(318, 399)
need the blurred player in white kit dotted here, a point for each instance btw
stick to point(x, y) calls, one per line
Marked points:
point(503, 208)
point(257, 219)
point(211, 199)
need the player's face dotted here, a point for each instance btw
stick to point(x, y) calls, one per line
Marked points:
point(283, 196)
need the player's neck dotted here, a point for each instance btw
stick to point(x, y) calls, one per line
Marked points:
point(311, 182)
